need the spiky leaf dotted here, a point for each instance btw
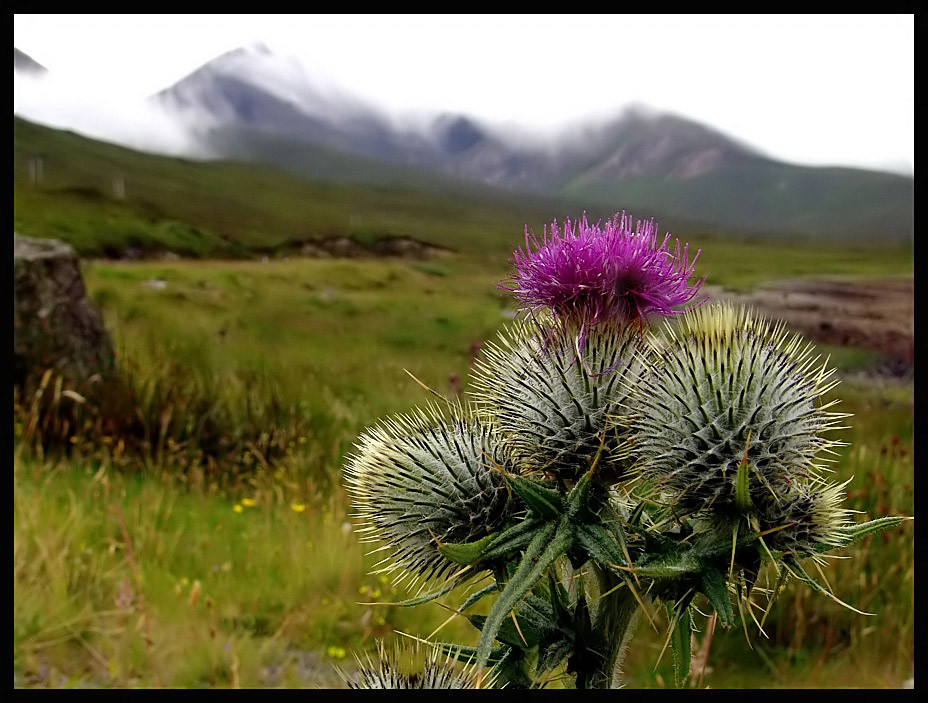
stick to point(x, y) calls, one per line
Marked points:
point(680, 638)
point(715, 587)
point(550, 542)
point(546, 503)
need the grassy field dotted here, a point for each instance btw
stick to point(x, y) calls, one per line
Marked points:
point(235, 210)
point(147, 578)
point(155, 572)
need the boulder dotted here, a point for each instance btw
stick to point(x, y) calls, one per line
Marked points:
point(55, 325)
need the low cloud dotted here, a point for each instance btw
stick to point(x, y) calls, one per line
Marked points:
point(108, 115)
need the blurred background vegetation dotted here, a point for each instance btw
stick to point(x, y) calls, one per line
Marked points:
point(187, 527)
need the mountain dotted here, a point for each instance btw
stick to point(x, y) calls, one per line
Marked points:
point(254, 105)
point(23, 63)
point(110, 200)
point(251, 88)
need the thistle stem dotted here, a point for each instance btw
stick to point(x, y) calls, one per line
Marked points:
point(616, 618)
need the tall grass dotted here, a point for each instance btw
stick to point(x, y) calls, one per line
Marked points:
point(165, 416)
point(122, 582)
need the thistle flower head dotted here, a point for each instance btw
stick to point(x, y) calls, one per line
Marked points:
point(405, 668)
point(727, 388)
point(804, 518)
point(588, 273)
point(418, 481)
point(556, 405)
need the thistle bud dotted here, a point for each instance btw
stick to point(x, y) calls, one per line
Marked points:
point(419, 481)
point(804, 519)
point(555, 399)
point(404, 668)
point(726, 389)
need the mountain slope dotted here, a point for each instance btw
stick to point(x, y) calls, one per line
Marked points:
point(227, 208)
point(250, 104)
point(23, 63)
point(252, 88)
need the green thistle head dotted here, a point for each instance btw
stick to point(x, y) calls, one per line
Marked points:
point(726, 390)
point(405, 667)
point(417, 481)
point(554, 393)
point(804, 519)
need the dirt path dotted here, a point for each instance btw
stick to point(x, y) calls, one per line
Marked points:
point(878, 315)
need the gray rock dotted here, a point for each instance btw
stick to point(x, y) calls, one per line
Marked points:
point(55, 325)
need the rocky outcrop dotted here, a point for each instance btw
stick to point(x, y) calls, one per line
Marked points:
point(348, 248)
point(55, 325)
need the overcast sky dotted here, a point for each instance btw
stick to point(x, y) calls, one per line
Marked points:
point(811, 89)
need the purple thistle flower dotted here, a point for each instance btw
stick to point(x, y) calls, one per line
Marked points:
point(588, 274)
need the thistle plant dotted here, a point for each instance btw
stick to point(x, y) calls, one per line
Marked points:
point(624, 444)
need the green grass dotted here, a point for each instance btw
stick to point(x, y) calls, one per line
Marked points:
point(337, 338)
point(135, 581)
point(279, 589)
point(740, 264)
point(229, 209)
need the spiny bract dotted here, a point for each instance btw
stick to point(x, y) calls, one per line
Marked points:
point(555, 403)
point(404, 668)
point(417, 481)
point(804, 519)
point(723, 387)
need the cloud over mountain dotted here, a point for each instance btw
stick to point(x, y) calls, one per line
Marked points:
point(252, 104)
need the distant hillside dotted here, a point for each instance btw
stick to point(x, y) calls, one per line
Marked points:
point(108, 200)
point(251, 104)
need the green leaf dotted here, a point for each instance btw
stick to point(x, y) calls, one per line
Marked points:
point(559, 602)
point(491, 546)
point(544, 502)
point(715, 588)
point(537, 612)
point(447, 588)
point(671, 568)
point(637, 513)
point(549, 543)
point(509, 633)
point(474, 598)
point(599, 545)
point(551, 654)
point(465, 553)
point(466, 654)
point(578, 501)
point(795, 568)
point(511, 669)
point(855, 532)
point(512, 538)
